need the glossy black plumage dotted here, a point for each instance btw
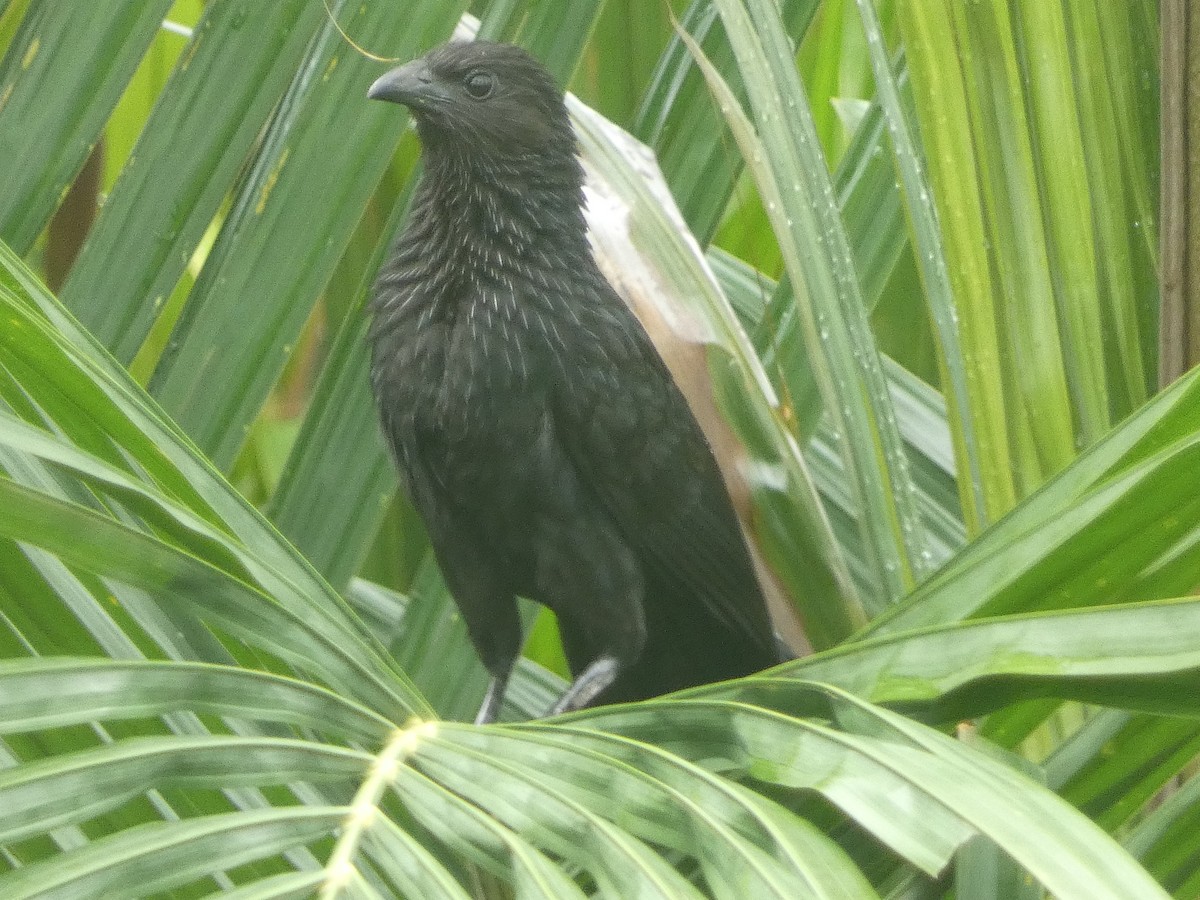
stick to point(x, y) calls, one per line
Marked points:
point(536, 430)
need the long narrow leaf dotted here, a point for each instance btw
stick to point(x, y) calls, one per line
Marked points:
point(241, 57)
point(59, 81)
point(792, 176)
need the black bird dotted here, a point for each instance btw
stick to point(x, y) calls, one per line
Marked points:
point(537, 431)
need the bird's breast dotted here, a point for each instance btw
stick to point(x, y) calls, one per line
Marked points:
point(452, 361)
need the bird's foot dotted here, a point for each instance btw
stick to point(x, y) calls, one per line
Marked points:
point(599, 674)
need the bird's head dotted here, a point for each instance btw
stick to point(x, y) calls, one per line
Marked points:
point(486, 98)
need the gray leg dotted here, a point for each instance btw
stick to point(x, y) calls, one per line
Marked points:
point(497, 639)
point(599, 674)
point(492, 700)
point(492, 625)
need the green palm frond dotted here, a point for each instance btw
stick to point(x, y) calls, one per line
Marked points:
point(905, 254)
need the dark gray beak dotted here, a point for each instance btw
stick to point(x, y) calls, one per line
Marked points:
point(411, 84)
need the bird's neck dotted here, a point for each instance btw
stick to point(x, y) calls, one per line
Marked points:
point(516, 204)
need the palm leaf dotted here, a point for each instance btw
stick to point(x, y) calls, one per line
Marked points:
point(196, 698)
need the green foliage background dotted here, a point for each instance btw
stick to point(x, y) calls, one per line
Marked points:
point(916, 247)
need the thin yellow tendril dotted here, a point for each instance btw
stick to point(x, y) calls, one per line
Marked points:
point(350, 41)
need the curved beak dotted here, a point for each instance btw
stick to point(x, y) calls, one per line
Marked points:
point(411, 84)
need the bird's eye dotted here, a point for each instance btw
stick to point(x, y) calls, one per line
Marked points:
point(480, 84)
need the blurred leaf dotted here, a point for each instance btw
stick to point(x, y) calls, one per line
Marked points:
point(661, 274)
point(59, 81)
point(241, 58)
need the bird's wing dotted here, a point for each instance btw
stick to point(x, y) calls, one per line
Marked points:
point(634, 442)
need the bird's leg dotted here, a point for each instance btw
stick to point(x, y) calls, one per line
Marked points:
point(495, 630)
point(492, 700)
point(599, 674)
